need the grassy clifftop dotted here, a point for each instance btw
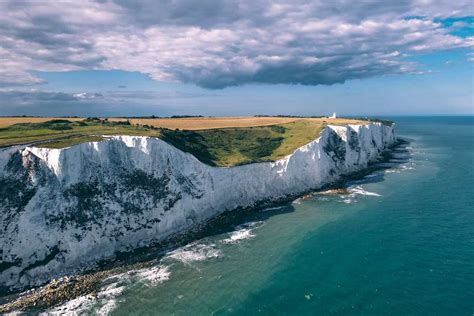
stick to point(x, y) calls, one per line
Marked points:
point(60, 133)
point(216, 147)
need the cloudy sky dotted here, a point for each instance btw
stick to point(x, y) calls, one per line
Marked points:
point(236, 57)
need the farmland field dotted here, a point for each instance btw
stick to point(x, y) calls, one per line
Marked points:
point(199, 123)
point(7, 120)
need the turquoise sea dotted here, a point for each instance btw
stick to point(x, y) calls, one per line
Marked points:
point(401, 243)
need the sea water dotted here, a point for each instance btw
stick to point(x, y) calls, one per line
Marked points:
point(400, 241)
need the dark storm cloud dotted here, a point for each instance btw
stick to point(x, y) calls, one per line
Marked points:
point(205, 13)
point(215, 43)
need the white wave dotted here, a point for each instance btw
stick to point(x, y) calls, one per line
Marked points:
point(297, 201)
point(195, 252)
point(372, 175)
point(107, 297)
point(308, 296)
point(76, 306)
point(154, 275)
point(272, 208)
point(239, 235)
point(401, 168)
point(107, 308)
point(105, 300)
point(111, 290)
point(358, 190)
point(242, 232)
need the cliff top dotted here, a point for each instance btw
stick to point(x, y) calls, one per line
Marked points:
point(224, 141)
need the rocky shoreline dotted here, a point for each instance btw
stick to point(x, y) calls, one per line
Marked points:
point(66, 288)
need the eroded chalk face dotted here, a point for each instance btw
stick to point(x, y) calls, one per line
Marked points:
point(64, 210)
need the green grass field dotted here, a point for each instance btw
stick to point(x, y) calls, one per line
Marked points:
point(237, 146)
point(216, 147)
point(63, 133)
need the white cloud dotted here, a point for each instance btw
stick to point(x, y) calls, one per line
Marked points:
point(215, 43)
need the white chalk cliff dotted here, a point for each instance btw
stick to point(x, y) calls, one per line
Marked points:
point(63, 210)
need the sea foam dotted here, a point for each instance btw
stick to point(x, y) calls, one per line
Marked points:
point(154, 275)
point(195, 252)
point(358, 190)
point(242, 232)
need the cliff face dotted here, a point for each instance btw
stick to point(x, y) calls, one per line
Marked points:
point(63, 210)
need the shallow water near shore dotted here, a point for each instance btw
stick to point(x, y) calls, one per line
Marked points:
point(398, 241)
